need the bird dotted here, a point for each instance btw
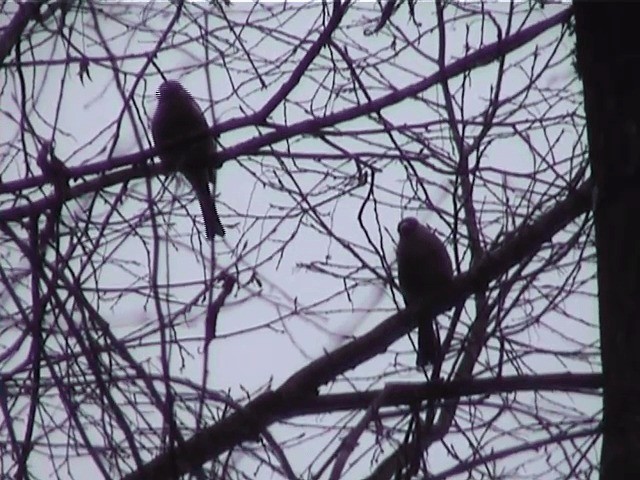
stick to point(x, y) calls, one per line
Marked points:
point(176, 121)
point(424, 270)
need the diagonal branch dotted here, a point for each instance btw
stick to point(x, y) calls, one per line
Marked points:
point(269, 407)
point(110, 171)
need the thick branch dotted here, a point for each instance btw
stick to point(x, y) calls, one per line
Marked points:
point(302, 387)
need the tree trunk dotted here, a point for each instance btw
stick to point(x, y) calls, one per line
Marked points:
point(608, 54)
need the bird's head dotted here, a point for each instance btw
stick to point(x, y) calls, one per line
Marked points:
point(169, 90)
point(408, 226)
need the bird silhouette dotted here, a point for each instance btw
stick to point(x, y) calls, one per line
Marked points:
point(424, 270)
point(179, 131)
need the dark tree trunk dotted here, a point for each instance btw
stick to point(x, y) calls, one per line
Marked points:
point(608, 54)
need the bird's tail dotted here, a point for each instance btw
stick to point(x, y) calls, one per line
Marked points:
point(428, 344)
point(212, 224)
